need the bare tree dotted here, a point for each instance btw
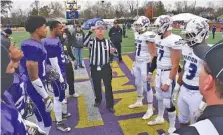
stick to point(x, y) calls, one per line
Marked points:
point(120, 9)
point(178, 5)
point(132, 6)
point(18, 16)
point(5, 4)
point(56, 9)
point(168, 8)
point(35, 5)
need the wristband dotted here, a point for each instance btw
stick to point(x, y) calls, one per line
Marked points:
point(169, 81)
point(38, 85)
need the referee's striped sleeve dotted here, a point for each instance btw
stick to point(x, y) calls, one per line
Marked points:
point(112, 46)
point(88, 39)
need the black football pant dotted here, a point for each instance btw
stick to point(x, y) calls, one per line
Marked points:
point(70, 77)
point(106, 75)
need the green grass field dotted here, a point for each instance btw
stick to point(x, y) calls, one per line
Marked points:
point(127, 44)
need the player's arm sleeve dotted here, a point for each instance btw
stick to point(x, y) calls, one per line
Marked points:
point(88, 39)
point(54, 63)
point(153, 64)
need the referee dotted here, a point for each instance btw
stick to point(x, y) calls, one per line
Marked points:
point(100, 50)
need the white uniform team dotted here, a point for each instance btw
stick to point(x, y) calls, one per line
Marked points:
point(142, 64)
point(189, 97)
point(168, 47)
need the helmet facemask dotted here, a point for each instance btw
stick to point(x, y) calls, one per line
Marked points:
point(194, 36)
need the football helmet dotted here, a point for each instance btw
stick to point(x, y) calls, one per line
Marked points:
point(162, 24)
point(141, 24)
point(196, 31)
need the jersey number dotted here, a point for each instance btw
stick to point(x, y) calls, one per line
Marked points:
point(138, 49)
point(192, 71)
point(161, 54)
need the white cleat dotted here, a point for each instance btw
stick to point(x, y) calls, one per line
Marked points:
point(171, 130)
point(76, 95)
point(137, 104)
point(148, 114)
point(157, 121)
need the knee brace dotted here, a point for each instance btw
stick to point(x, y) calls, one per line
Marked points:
point(172, 109)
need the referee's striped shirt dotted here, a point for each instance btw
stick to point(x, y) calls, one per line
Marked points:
point(99, 50)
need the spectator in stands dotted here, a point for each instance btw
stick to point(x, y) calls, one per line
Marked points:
point(213, 31)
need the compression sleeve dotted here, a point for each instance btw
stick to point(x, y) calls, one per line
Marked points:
point(153, 64)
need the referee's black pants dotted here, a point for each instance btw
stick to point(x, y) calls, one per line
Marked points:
point(70, 77)
point(119, 49)
point(106, 74)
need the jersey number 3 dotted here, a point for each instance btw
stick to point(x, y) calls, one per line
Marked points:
point(192, 71)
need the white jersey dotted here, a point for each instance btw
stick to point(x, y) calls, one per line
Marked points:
point(163, 47)
point(142, 50)
point(192, 66)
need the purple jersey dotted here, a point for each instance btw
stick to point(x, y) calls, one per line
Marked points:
point(17, 90)
point(12, 122)
point(34, 51)
point(54, 49)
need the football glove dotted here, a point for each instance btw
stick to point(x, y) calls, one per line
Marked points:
point(49, 105)
point(175, 93)
point(33, 129)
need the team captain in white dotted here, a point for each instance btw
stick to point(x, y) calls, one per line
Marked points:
point(196, 32)
point(168, 58)
point(145, 50)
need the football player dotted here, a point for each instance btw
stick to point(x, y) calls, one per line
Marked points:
point(145, 51)
point(56, 58)
point(11, 119)
point(196, 32)
point(17, 89)
point(34, 64)
point(168, 58)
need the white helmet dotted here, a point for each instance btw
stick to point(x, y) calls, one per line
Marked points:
point(196, 31)
point(141, 24)
point(162, 24)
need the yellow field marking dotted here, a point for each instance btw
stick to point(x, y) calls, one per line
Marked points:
point(83, 116)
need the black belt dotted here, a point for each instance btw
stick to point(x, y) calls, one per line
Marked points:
point(190, 87)
point(165, 69)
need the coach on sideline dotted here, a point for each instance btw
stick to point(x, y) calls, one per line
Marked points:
point(100, 50)
point(211, 87)
point(115, 34)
